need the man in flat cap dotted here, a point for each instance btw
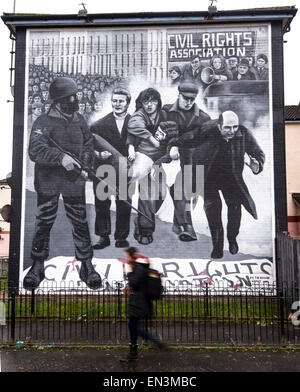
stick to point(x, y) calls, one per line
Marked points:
point(189, 119)
point(261, 72)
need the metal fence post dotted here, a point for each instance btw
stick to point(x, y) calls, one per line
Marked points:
point(13, 314)
point(119, 298)
point(206, 300)
point(32, 301)
point(281, 309)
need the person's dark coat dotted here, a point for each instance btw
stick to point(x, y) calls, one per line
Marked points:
point(243, 142)
point(189, 75)
point(261, 73)
point(107, 128)
point(187, 130)
point(247, 76)
point(73, 136)
point(224, 70)
point(139, 305)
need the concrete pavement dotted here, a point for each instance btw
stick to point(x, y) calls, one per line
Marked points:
point(174, 360)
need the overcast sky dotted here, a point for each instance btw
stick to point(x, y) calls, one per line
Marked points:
point(291, 53)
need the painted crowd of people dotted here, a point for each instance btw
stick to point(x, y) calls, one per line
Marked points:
point(233, 68)
point(92, 91)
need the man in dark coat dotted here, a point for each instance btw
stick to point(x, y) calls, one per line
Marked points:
point(110, 142)
point(55, 175)
point(192, 72)
point(222, 150)
point(189, 119)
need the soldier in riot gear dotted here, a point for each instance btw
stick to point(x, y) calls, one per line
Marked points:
point(57, 173)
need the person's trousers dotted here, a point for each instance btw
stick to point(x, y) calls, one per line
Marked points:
point(102, 207)
point(151, 196)
point(46, 214)
point(135, 331)
point(213, 207)
point(151, 192)
point(103, 218)
point(182, 207)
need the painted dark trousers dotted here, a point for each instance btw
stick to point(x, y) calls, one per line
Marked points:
point(75, 208)
point(182, 207)
point(102, 207)
point(213, 206)
point(103, 219)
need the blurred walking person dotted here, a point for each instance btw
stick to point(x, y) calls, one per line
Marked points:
point(140, 307)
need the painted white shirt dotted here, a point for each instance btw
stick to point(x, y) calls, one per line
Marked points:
point(120, 122)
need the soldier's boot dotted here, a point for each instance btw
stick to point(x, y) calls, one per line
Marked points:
point(217, 237)
point(132, 355)
point(89, 276)
point(34, 276)
point(143, 236)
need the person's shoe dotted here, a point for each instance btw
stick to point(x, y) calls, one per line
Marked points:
point(176, 229)
point(142, 238)
point(132, 355)
point(161, 345)
point(103, 242)
point(188, 233)
point(34, 276)
point(121, 244)
point(233, 247)
point(89, 276)
point(217, 253)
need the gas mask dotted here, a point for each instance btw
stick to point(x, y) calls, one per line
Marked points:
point(69, 105)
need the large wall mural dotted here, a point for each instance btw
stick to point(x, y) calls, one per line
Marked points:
point(158, 138)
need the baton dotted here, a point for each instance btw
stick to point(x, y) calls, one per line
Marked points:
point(93, 176)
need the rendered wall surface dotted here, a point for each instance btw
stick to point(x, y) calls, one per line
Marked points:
point(292, 173)
point(5, 192)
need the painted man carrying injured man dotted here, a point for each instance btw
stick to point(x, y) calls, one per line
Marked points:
point(149, 137)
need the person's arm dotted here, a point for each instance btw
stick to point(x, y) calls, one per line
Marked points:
point(153, 141)
point(87, 157)
point(131, 152)
point(195, 133)
point(254, 151)
point(136, 277)
point(40, 149)
point(137, 126)
point(97, 129)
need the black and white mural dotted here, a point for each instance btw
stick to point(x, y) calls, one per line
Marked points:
point(158, 138)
